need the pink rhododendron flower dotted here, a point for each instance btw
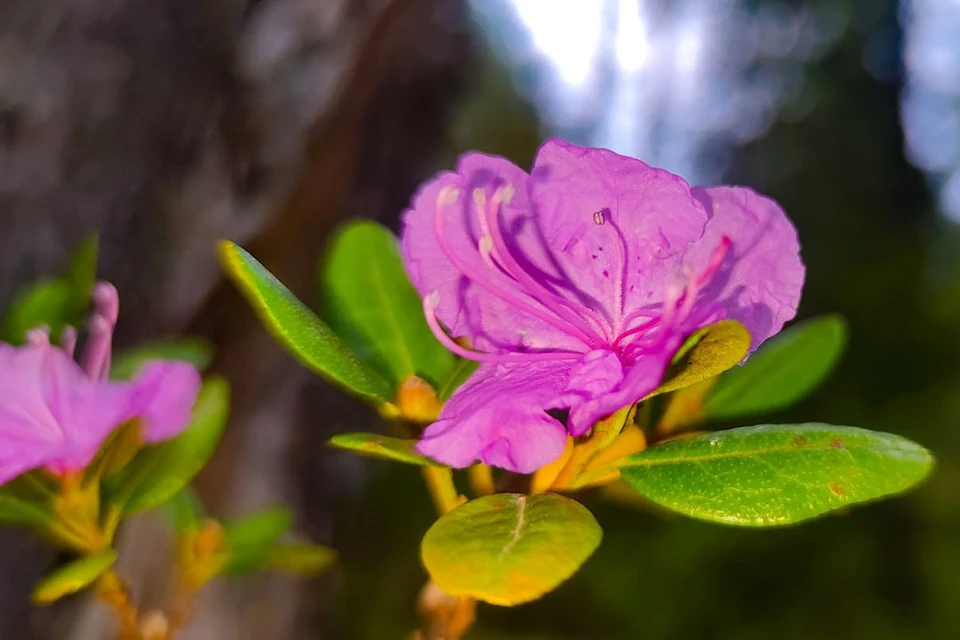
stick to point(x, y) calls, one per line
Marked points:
point(56, 414)
point(576, 284)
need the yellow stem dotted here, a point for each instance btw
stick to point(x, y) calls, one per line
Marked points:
point(114, 593)
point(481, 479)
point(440, 483)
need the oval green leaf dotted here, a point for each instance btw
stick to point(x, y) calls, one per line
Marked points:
point(298, 329)
point(45, 303)
point(509, 548)
point(773, 475)
point(386, 447)
point(368, 301)
point(74, 576)
point(158, 472)
point(707, 353)
point(781, 372)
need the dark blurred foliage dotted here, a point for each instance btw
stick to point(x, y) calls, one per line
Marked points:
point(878, 252)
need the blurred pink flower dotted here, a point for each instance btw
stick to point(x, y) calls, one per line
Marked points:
point(576, 284)
point(56, 414)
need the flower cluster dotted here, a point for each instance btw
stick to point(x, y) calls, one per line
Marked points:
point(574, 286)
point(55, 413)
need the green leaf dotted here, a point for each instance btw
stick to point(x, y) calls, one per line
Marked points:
point(196, 351)
point(707, 353)
point(368, 301)
point(249, 539)
point(781, 372)
point(185, 511)
point(16, 510)
point(74, 576)
point(299, 559)
point(45, 303)
point(378, 446)
point(80, 277)
point(775, 474)
point(295, 327)
point(509, 548)
point(160, 471)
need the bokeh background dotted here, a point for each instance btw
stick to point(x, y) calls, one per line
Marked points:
point(166, 124)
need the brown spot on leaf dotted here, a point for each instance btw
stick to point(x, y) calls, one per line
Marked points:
point(836, 443)
point(801, 442)
point(837, 489)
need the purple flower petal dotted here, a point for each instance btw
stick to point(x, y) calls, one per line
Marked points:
point(759, 284)
point(163, 395)
point(614, 225)
point(499, 417)
point(51, 413)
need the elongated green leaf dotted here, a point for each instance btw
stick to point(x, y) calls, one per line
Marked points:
point(781, 372)
point(160, 471)
point(45, 303)
point(16, 510)
point(299, 559)
point(775, 474)
point(196, 351)
point(378, 446)
point(509, 548)
point(73, 577)
point(297, 329)
point(708, 353)
point(369, 302)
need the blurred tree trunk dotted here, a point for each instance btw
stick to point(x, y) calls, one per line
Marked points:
point(165, 125)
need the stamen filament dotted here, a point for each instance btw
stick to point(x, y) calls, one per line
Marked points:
point(487, 284)
point(508, 264)
point(429, 311)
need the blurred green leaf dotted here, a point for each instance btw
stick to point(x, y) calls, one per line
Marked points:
point(55, 302)
point(160, 471)
point(368, 301)
point(509, 548)
point(297, 328)
point(460, 374)
point(80, 278)
point(74, 576)
point(248, 539)
point(17, 510)
point(196, 351)
point(184, 511)
point(781, 372)
point(775, 474)
point(379, 446)
point(299, 559)
point(707, 353)
point(44, 303)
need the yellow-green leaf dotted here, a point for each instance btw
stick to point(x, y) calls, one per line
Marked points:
point(509, 548)
point(379, 446)
point(299, 559)
point(298, 329)
point(710, 352)
point(74, 576)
